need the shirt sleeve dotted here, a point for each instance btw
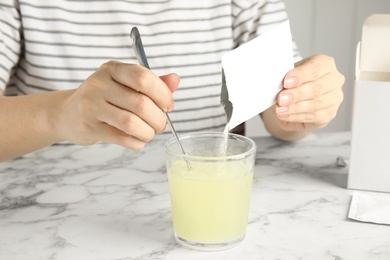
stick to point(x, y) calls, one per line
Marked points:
point(254, 17)
point(10, 40)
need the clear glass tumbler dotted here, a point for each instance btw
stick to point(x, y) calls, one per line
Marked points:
point(210, 188)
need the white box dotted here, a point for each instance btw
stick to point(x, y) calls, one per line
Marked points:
point(370, 145)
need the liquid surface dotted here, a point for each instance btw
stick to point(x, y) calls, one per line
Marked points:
point(210, 203)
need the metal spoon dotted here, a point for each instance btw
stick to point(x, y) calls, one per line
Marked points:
point(141, 57)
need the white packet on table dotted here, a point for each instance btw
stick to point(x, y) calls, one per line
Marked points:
point(370, 207)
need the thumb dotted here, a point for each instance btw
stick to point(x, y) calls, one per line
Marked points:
point(172, 80)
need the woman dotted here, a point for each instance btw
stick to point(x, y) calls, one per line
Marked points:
point(75, 77)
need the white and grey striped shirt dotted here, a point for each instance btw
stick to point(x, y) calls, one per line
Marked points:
point(55, 45)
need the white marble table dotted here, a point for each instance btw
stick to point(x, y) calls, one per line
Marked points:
point(108, 203)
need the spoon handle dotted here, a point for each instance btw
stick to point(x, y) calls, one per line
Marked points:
point(138, 47)
point(141, 57)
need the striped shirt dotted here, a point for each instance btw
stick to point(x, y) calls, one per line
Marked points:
point(55, 45)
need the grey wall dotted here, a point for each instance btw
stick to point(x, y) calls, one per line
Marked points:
point(332, 27)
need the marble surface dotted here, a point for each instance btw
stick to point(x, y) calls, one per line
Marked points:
point(107, 203)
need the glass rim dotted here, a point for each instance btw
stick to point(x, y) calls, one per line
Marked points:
point(181, 137)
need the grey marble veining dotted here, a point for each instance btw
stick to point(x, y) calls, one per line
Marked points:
point(107, 203)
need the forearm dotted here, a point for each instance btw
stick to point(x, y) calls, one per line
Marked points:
point(273, 126)
point(28, 123)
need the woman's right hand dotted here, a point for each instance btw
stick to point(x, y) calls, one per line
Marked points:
point(120, 103)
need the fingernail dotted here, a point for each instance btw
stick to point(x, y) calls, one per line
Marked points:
point(285, 99)
point(290, 82)
point(280, 110)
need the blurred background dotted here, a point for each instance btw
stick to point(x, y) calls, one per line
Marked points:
point(331, 27)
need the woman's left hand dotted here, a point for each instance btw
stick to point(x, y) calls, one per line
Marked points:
point(311, 96)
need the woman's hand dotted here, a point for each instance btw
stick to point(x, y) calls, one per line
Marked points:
point(310, 99)
point(120, 103)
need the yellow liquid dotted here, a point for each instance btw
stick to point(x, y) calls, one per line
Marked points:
point(210, 203)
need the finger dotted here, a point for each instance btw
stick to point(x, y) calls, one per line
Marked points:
point(129, 100)
point(320, 118)
point(110, 134)
point(310, 90)
point(172, 80)
point(133, 113)
point(309, 69)
point(314, 105)
point(141, 80)
point(127, 123)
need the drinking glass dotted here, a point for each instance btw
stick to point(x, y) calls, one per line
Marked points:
point(210, 188)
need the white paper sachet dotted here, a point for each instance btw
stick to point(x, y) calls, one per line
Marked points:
point(370, 207)
point(254, 74)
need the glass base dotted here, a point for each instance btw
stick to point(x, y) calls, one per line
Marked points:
point(208, 246)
